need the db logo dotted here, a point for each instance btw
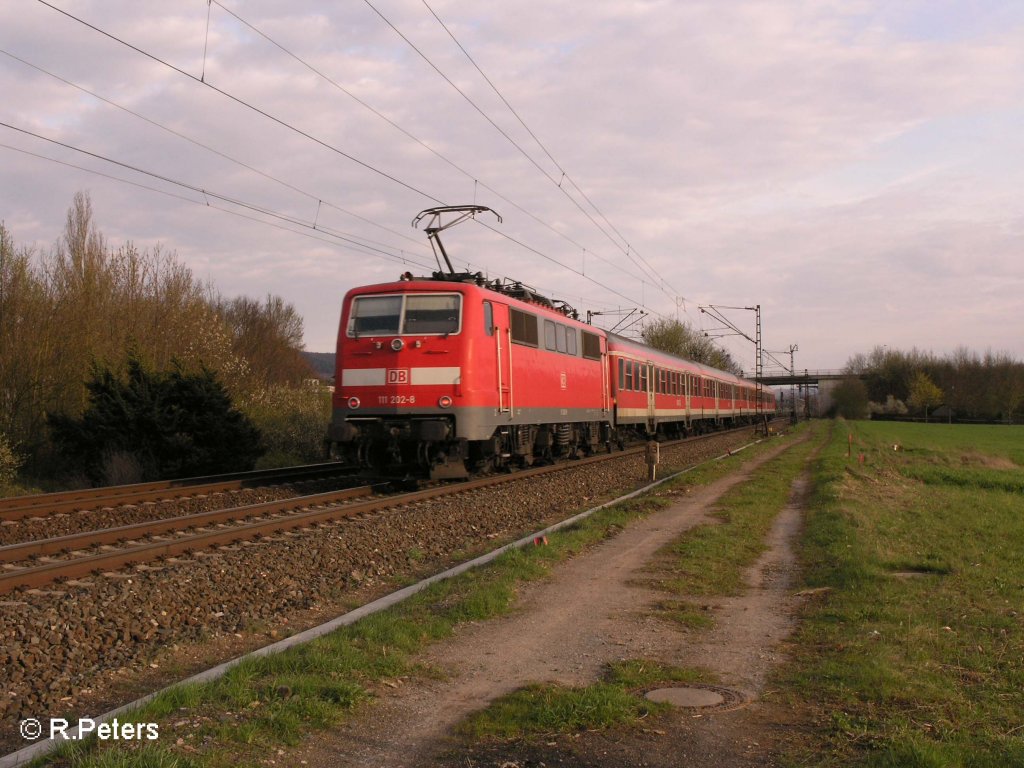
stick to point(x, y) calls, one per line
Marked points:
point(398, 375)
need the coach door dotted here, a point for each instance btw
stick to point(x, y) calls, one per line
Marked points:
point(496, 320)
point(651, 404)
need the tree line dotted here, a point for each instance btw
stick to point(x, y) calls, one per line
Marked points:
point(972, 386)
point(683, 340)
point(87, 309)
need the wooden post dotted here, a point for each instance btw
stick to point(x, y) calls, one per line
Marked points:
point(652, 456)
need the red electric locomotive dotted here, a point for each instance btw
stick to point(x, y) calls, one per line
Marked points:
point(441, 374)
point(453, 373)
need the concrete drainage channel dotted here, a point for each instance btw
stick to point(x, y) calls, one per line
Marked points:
point(728, 699)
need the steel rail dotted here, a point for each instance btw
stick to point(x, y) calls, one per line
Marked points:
point(40, 575)
point(12, 553)
point(40, 505)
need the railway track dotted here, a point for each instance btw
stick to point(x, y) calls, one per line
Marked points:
point(43, 504)
point(34, 564)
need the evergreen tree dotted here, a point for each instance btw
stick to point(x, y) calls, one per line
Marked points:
point(156, 425)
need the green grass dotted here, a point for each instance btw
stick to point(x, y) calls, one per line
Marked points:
point(547, 709)
point(925, 668)
point(711, 559)
point(952, 443)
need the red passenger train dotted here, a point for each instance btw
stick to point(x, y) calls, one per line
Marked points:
point(456, 374)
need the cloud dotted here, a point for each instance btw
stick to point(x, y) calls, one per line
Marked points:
point(853, 167)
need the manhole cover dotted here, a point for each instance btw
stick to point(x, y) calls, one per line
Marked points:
point(698, 696)
point(686, 697)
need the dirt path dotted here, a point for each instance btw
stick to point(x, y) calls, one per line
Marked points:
point(594, 610)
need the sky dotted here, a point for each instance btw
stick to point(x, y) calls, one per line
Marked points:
point(853, 167)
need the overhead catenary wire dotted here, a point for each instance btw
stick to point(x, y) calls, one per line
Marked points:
point(307, 229)
point(205, 192)
point(625, 245)
point(242, 102)
point(505, 134)
point(290, 127)
point(208, 148)
point(411, 136)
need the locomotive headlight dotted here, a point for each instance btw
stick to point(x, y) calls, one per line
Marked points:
point(445, 401)
point(397, 344)
point(353, 403)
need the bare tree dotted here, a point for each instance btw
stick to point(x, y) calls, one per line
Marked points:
point(682, 340)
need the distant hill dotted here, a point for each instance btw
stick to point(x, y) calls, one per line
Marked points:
point(322, 363)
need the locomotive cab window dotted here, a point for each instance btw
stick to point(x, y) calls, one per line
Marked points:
point(592, 348)
point(421, 314)
point(431, 314)
point(375, 315)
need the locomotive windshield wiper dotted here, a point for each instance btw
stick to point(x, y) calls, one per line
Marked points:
point(434, 227)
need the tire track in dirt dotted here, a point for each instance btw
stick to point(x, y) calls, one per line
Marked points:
point(593, 610)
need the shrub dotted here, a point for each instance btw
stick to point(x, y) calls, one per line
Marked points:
point(10, 463)
point(292, 422)
point(156, 425)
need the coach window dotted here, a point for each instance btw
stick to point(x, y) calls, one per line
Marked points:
point(643, 377)
point(592, 348)
point(524, 327)
point(549, 335)
point(622, 371)
point(628, 384)
point(488, 318)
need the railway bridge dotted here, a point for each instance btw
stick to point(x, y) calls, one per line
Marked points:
point(807, 378)
point(803, 386)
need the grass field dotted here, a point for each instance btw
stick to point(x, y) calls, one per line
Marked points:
point(914, 655)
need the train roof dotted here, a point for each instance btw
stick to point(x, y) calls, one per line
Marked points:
point(507, 290)
point(529, 299)
point(616, 341)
